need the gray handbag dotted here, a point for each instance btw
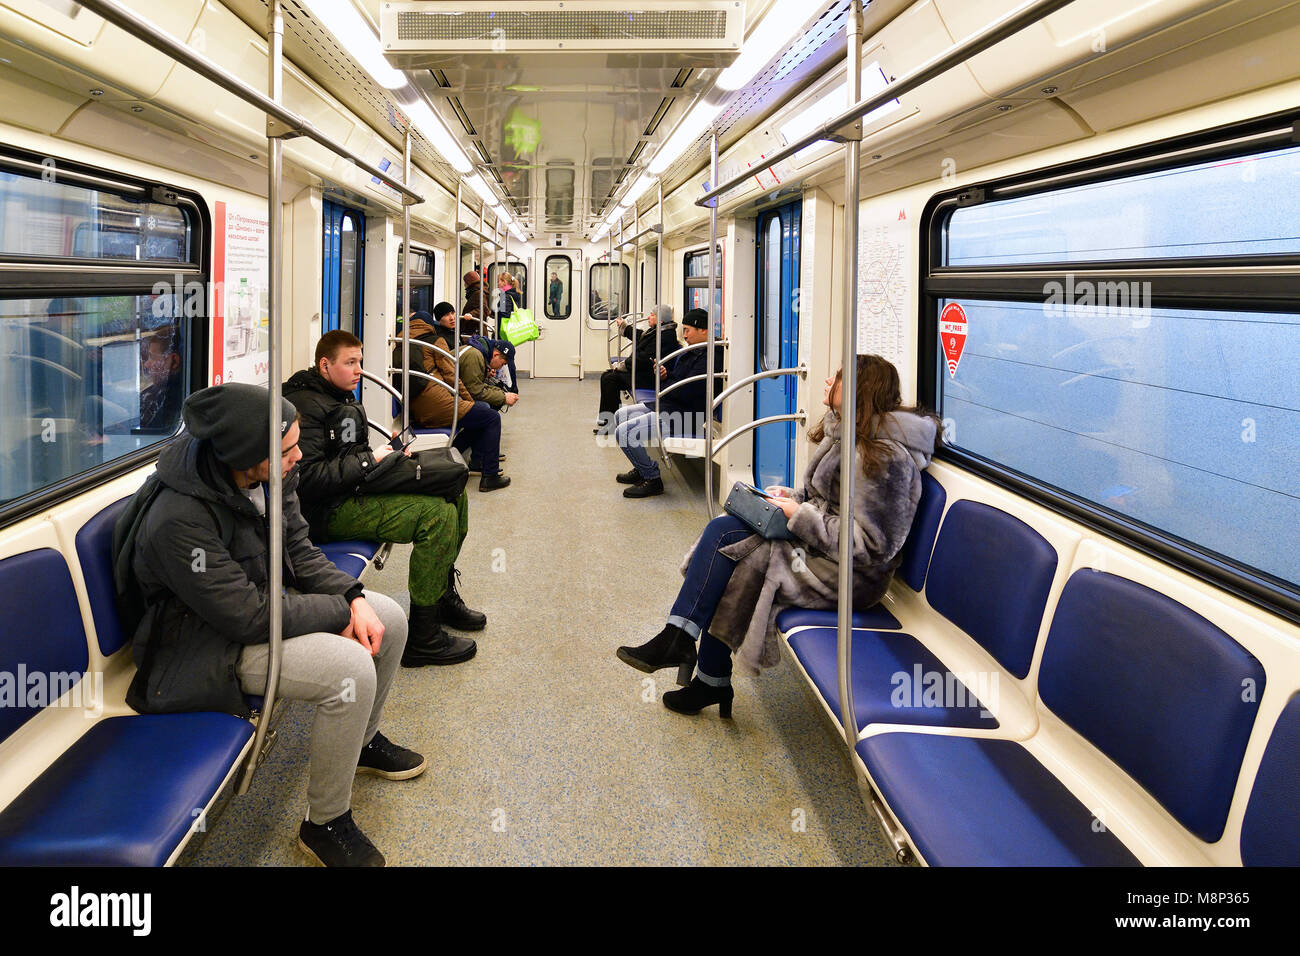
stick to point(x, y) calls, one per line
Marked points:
point(756, 511)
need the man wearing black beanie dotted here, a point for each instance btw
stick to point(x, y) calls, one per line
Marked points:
point(200, 557)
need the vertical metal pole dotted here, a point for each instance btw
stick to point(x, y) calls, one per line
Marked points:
point(406, 284)
point(623, 303)
point(609, 295)
point(636, 278)
point(713, 279)
point(505, 259)
point(455, 351)
point(659, 298)
point(482, 319)
point(849, 387)
point(274, 295)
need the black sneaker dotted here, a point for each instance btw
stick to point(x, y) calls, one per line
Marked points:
point(632, 477)
point(338, 843)
point(383, 758)
point(645, 488)
point(493, 482)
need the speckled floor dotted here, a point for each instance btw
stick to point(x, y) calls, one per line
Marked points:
point(545, 749)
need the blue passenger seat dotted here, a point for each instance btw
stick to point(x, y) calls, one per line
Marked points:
point(95, 555)
point(911, 569)
point(126, 792)
point(1153, 686)
point(1270, 832)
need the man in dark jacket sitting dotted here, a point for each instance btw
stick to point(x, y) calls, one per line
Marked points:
point(335, 460)
point(661, 328)
point(200, 558)
point(682, 411)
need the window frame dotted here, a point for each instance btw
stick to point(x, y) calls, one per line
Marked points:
point(546, 272)
point(591, 286)
point(1267, 283)
point(690, 282)
point(34, 277)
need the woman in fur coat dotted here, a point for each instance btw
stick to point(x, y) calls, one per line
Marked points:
point(737, 581)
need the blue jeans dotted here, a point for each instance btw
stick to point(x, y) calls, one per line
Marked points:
point(706, 580)
point(633, 425)
point(480, 429)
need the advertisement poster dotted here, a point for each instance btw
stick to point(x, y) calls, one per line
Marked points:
point(241, 258)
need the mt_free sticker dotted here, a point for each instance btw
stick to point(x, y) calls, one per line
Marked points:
point(952, 332)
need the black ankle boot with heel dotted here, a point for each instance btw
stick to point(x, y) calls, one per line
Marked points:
point(698, 695)
point(671, 647)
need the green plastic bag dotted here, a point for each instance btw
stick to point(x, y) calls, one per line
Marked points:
point(519, 327)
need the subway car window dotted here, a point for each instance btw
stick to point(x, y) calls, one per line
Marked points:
point(97, 370)
point(695, 291)
point(1239, 207)
point(36, 214)
point(517, 269)
point(1180, 418)
point(559, 285)
point(609, 290)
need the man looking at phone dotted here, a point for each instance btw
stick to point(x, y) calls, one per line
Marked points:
point(336, 458)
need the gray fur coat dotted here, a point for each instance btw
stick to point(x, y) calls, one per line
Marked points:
point(772, 575)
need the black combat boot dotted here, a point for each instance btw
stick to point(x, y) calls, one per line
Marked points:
point(453, 611)
point(427, 643)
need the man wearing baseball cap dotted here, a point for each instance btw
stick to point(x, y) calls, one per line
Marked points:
point(681, 412)
point(200, 555)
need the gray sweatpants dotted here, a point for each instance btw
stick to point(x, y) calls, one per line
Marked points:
point(348, 687)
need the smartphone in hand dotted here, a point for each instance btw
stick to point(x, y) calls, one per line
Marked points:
point(403, 439)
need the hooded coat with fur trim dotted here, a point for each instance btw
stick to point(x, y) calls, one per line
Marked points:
point(771, 575)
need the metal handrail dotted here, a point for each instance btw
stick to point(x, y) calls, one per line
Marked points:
point(141, 29)
point(800, 416)
point(657, 228)
point(1012, 22)
point(427, 377)
point(393, 340)
point(686, 381)
point(372, 377)
point(801, 371)
point(466, 227)
point(698, 345)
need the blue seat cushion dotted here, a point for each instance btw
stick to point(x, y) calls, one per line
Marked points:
point(433, 431)
point(125, 794)
point(990, 575)
point(916, 549)
point(896, 680)
point(983, 802)
point(43, 648)
point(1270, 833)
point(1157, 688)
point(95, 553)
point(874, 618)
point(352, 564)
point(365, 549)
point(645, 396)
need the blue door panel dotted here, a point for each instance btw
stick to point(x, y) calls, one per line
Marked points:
point(777, 342)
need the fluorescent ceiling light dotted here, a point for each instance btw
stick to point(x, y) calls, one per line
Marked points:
point(476, 183)
point(353, 33)
point(435, 131)
point(783, 21)
point(638, 189)
point(687, 132)
point(833, 103)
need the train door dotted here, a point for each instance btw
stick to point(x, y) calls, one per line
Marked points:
point(342, 261)
point(557, 352)
point(777, 342)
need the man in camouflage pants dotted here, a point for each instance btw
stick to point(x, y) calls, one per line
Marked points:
point(335, 461)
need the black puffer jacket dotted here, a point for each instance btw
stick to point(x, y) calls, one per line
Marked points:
point(643, 346)
point(209, 599)
point(336, 454)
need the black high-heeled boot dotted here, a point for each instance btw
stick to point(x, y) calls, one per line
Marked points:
point(697, 696)
point(671, 646)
